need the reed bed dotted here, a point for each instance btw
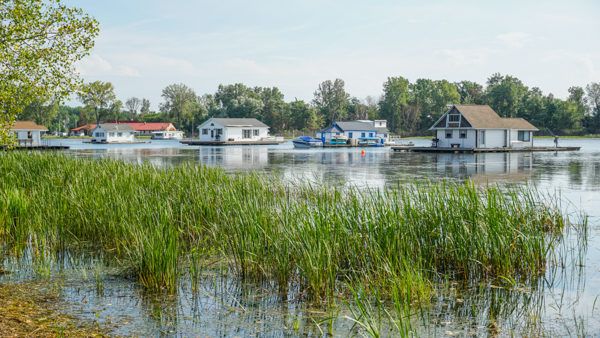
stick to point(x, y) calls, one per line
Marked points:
point(396, 242)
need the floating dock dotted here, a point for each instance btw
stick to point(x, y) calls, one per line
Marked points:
point(481, 150)
point(230, 143)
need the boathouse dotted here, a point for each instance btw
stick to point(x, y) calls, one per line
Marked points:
point(28, 133)
point(233, 130)
point(469, 126)
point(360, 129)
point(113, 133)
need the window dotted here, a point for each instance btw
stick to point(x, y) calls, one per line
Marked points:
point(482, 137)
point(362, 134)
point(212, 133)
point(256, 131)
point(524, 136)
point(448, 133)
point(204, 131)
point(462, 134)
point(111, 134)
point(29, 135)
point(370, 134)
point(99, 134)
point(246, 133)
point(453, 118)
point(119, 134)
point(219, 131)
point(350, 135)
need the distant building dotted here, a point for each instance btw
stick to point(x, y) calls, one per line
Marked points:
point(148, 128)
point(233, 130)
point(28, 133)
point(479, 126)
point(85, 130)
point(113, 133)
point(361, 129)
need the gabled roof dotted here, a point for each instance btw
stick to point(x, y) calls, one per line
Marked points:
point(115, 126)
point(484, 117)
point(28, 125)
point(237, 122)
point(85, 127)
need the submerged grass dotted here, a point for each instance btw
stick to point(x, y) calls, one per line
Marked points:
point(393, 242)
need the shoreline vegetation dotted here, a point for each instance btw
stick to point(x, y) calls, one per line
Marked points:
point(161, 225)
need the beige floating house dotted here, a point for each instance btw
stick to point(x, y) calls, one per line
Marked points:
point(480, 127)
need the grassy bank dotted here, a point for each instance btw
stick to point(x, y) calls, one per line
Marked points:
point(160, 224)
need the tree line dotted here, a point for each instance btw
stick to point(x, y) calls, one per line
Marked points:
point(409, 107)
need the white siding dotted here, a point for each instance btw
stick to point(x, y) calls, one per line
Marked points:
point(100, 135)
point(208, 132)
point(468, 142)
point(29, 137)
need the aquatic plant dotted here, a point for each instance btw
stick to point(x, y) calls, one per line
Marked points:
point(396, 242)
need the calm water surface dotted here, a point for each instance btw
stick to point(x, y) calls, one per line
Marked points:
point(567, 302)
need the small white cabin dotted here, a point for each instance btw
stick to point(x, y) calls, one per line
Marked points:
point(479, 126)
point(167, 135)
point(113, 133)
point(28, 133)
point(233, 130)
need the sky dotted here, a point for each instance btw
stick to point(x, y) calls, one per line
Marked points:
point(145, 45)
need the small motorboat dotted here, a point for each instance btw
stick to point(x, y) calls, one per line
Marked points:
point(307, 142)
point(338, 139)
point(370, 142)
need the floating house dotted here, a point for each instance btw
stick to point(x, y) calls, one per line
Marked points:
point(480, 127)
point(113, 133)
point(356, 130)
point(28, 133)
point(234, 131)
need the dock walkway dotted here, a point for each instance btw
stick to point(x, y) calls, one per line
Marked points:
point(481, 150)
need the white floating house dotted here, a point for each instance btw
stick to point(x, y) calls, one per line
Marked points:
point(28, 133)
point(361, 129)
point(113, 133)
point(233, 130)
point(479, 126)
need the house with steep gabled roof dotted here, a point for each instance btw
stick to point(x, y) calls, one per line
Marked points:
point(479, 126)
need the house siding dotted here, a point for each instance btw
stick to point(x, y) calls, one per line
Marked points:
point(230, 133)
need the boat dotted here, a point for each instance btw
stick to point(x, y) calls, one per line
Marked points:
point(338, 139)
point(370, 142)
point(167, 135)
point(307, 142)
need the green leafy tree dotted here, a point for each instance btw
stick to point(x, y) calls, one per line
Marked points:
point(303, 117)
point(180, 103)
point(98, 97)
point(331, 100)
point(133, 105)
point(470, 92)
point(40, 41)
point(273, 108)
point(238, 100)
point(592, 119)
point(394, 106)
point(145, 107)
point(504, 94)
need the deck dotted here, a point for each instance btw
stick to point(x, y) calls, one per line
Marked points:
point(230, 143)
point(481, 150)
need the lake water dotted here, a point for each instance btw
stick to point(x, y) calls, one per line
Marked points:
point(566, 305)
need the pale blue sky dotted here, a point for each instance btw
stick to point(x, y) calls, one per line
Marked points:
point(146, 45)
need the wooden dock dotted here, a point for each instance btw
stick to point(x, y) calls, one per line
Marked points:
point(230, 143)
point(481, 150)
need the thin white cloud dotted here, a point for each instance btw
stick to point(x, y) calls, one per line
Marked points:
point(514, 39)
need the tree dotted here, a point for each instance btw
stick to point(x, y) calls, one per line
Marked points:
point(504, 94)
point(303, 117)
point(592, 119)
point(237, 100)
point(133, 104)
point(394, 105)
point(180, 102)
point(40, 41)
point(331, 100)
point(273, 107)
point(145, 107)
point(470, 92)
point(98, 96)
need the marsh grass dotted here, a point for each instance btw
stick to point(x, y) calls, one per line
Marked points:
point(393, 242)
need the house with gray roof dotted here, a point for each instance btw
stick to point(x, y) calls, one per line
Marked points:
point(113, 133)
point(479, 126)
point(356, 130)
point(233, 130)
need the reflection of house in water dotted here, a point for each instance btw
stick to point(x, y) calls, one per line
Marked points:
point(516, 165)
point(235, 157)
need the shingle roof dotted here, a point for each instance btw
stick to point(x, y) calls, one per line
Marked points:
point(484, 117)
point(355, 125)
point(115, 127)
point(237, 122)
point(28, 125)
point(150, 126)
